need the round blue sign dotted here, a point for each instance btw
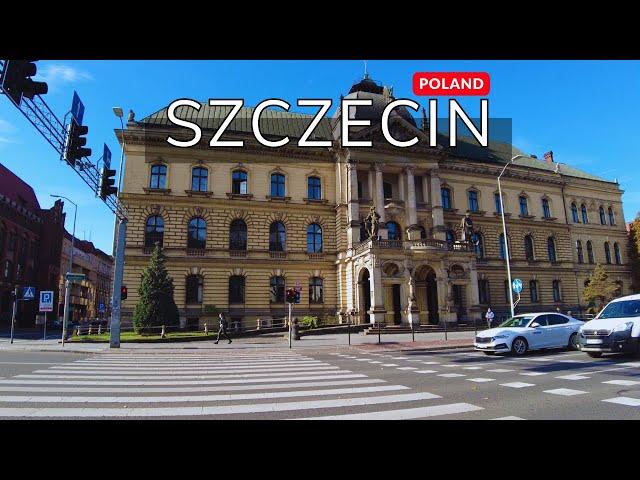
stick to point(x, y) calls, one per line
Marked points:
point(517, 285)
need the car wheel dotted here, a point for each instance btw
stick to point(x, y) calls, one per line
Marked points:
point(519, 346)
point(573, 341)
point(488, 353)
point(594, 354)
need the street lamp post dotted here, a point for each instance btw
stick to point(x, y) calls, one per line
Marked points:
point(504, 233)
point(67, 283)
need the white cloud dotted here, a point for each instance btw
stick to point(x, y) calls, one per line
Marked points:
point(6, 140)
point(6, 127)
point(56, 74)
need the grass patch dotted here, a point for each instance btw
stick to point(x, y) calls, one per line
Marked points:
point(135, 337)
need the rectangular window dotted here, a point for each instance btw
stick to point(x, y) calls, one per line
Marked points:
point(473, 201)
point(483, 290)
point(496, 199)
point(445, 193)
point(314, 191)
point(546, 211)
point(524, 208)
point(388, 190)
point(194, 289)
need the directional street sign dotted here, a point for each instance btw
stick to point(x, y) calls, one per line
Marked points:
point(28, 293)
point(46, 301)
point(106, 156)
point(75, 277)
point(77, 108)
point(517, 285)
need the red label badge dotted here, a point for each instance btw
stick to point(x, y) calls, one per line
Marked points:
point(451, 84)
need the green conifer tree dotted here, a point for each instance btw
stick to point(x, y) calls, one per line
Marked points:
point(156, 306)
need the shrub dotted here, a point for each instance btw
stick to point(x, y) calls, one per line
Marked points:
point(310, 321)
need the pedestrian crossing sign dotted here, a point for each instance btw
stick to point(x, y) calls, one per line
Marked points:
point(28, 293)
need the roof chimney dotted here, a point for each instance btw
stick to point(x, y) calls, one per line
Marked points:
point(548, 157)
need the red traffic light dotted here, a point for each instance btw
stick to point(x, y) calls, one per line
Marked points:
point(123, 293)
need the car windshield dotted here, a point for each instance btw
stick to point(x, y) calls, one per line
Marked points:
point(518, 322)
point(626, 308)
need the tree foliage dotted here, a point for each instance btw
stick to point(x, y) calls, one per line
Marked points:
point(634, 253)
point(156, 306)
point(600, 289)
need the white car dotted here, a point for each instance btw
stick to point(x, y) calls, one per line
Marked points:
point(616, 329)
point(530, 331)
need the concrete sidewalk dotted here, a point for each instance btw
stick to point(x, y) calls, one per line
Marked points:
point(423, 341)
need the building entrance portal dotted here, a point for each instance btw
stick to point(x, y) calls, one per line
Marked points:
point(427, 295)
point(365, 296)
point(397, 309)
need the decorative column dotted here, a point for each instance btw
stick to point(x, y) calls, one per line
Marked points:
point(473, 293)
point(379, 200)
point(436, 207)
point(353, 206)
point(413, 313)
point(378, 310)
point(425, 189)
point(410, 206)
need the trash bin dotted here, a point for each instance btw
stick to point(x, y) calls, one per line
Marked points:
point(295, 329)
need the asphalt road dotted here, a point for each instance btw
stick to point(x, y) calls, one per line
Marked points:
point(341, 383)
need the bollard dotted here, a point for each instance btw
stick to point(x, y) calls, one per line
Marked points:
point(349, 331)
point(206, 330)
point(379, 340)
point(162, 334)
point(445, 331)
point(413, 335)
point(89, 333)
point(99, 329)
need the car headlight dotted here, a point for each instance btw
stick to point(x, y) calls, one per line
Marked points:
point(500, 336)
point(623, 327)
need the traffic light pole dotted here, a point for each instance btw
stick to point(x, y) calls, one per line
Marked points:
point(13, 313)
point(290, 310)
point(116, 302)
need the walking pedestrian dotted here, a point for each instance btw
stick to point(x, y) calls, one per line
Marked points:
point(489, 316)
point(223, 328)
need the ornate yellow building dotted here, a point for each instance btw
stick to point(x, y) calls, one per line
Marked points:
point(240, 225)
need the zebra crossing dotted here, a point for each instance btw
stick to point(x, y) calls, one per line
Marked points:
point(215, 385)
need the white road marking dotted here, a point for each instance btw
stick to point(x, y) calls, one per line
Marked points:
point(567, 392)
point(426, 371)
point(480, 380)
point(407, 368)
point(508, 418)
point(431, 363)
point(202, 389)
point(32, 363)
point(451, 375)
point(517, 385)
point(405, 414)
point(450, 365)
point(573, 377)
point(626, 383)
point(533, 374)
point(375, 361)
point(199, 398)
point(628, 401)
point(118, 373)
point(389, 364)
point(472, 368)
point(501, 370)
point(214, 410)
point(183, 367)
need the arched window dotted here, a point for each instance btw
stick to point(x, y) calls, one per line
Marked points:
point(473, 201)
point(585, 216)
point(154, 231)
point(533, 291)
point(603, 218)
point(557, 293)
point(197, 237)
point(277, 237)
point(524, 207)
point(551, 249)
point(483, 292)
point(194, 289)
point(478, 244)
point(423, 233)
point(616, 253)
point(158, 176)
point(502, 246)
point(445, 193)
point(314, 188)
point(238, 235)
point(528, 247)
point(546, 210)
point(276, 289)
point(239, 182)
point(450, 236)
point(199, 179)
point(612, 219)
point(315, 290)
point(580, 253)
point(607, 253)
point(590, 252)
point(574, 213)
point(277, 185)
point(393, 230)
point(236, 289)
point(314, 238)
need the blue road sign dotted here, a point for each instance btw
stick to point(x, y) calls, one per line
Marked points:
point(517, 285)
point(106, 156)
point(77, 108)
point(46, 301)
point(28, 293)
point(101, 308)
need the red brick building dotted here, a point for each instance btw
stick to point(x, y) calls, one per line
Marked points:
point(30, 246)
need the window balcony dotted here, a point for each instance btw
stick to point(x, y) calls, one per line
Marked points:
point(237, 253)
point(316, 256)
point(278, 255)
point(196, 252)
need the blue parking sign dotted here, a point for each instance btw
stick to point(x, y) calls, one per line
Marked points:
point(101, 308)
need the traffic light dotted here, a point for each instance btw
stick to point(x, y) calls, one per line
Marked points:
point(107, 182)
point(297, 299)
point(123, 292)
point(75, 148)
point(291, 295)
point(16, 80)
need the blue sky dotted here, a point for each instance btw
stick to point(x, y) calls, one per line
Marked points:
point(582, 110)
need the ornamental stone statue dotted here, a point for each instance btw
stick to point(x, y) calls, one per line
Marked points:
point(466, 226)
point(372, 222)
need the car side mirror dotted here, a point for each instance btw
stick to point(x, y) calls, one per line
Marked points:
point(535, 325)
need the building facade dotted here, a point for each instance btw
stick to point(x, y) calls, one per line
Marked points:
point(89, 298)
point(240, 225)
point(30, 245)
